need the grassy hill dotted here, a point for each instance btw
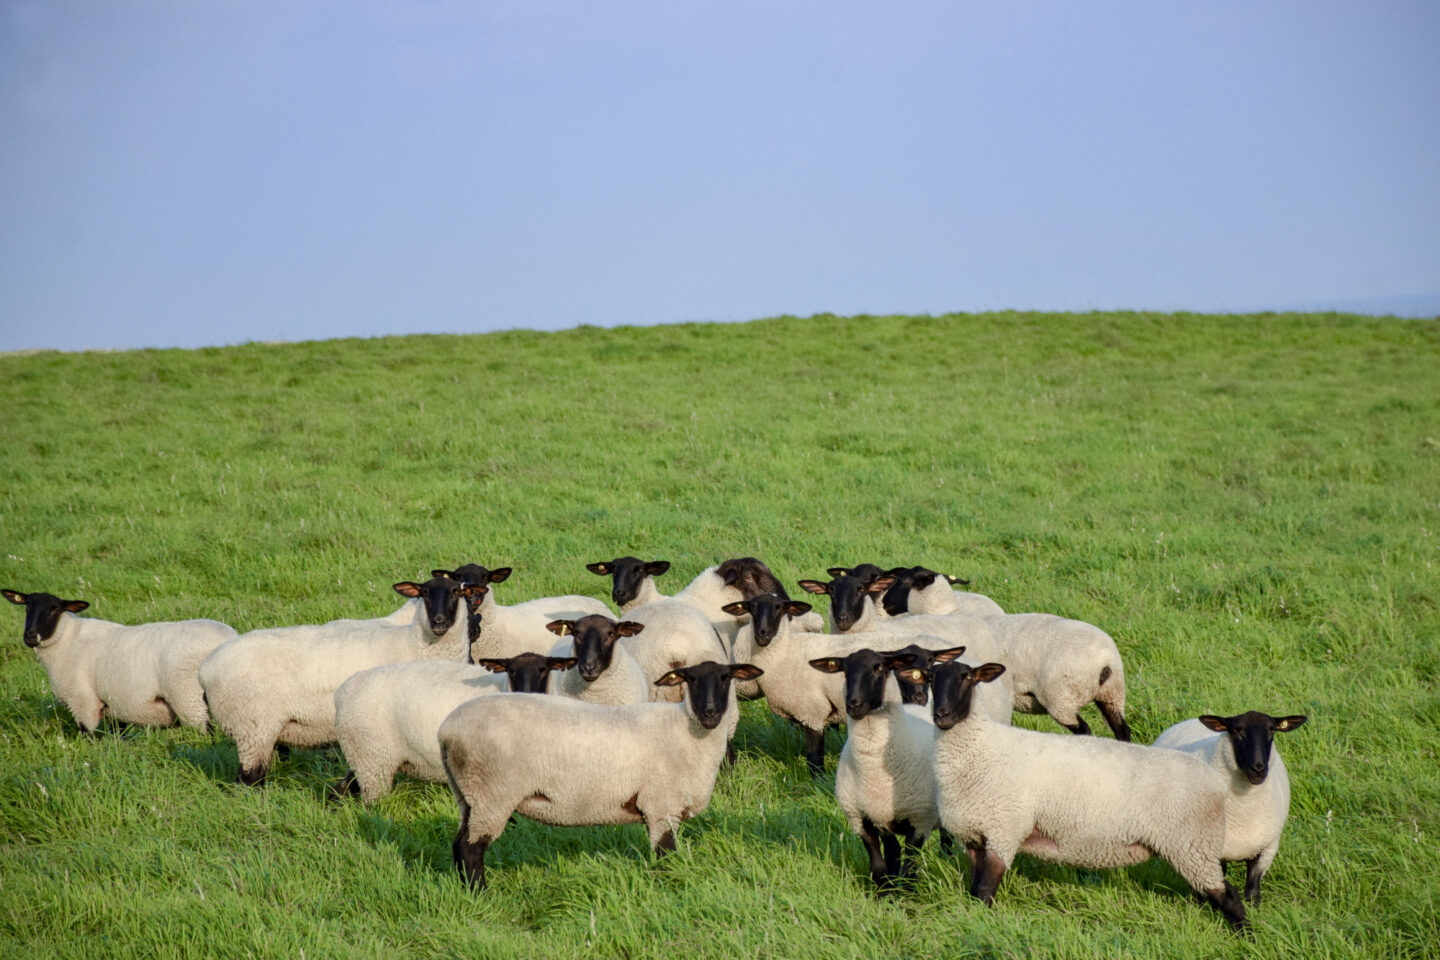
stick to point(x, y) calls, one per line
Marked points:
point(1247, 504)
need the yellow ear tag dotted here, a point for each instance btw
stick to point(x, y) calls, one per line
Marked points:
point(564, 629)
point(916, 675)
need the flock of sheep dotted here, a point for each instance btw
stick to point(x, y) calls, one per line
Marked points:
point(642, 713)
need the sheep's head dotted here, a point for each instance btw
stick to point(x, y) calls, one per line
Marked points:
point(441, 599)
point(1251, 737)
point(953, 684)
point(42, 613)
point(628, 575)
point(528, 672)
point(766, 611)
point(595, 638)
point(847, 597)
point(708, 686)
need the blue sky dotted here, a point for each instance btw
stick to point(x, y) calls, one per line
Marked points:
point(189, 173)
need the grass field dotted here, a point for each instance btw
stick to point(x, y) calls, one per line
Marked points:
point(1248, 504)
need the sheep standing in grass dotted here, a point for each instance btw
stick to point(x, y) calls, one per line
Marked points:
point(1258, 802)
point(885, 780)
point(567, 763)
point(605, 672)
point(386, 718)
point(143, 674)
point(504, 630)
point(922, 590)
point(1082, 801)
point(278, 685)
point(676, 634)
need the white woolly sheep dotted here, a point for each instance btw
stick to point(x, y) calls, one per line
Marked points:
point(1258, 802)
point(885, 780)
point(567, 763)
point(143, 674)
point(676, 634)
point(1082, 801)
point(278, 685)
point(605, 671)
point(387, 718)
point(505, 630)
point(922, 590)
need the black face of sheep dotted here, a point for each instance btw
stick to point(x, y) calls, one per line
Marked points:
point(865, 674)
point(750, 576)
point(42, 613)
point(1251, 736)
point(628, 573)
point(847, 597)
point(897, 599)
point(913, 688)
point(595, 639)
point(708, 686)
point(474, 573)
point(528, 672)
point(954, 685)
point(441, 598)
point(767, 612)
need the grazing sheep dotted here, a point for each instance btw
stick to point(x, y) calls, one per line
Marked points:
point(505, 630)
point(922, 590)
point(143, 674)
point(567, 763)
point(1082, 801)
point(387, 718)
point(605, 672)
point(1258, 802)
point(278, 685)
point(885, 780)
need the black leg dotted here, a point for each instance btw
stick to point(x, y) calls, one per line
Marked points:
point(347, 787)
point(1228, 902)
point(255, 775)
point(891, 845)
point(906, 832)
point(1115, 719)
point(283, 749)
point(947, 842)
point(815, 751)
point(1079, 727)
point(469, 857)
point(729, 754)
point(666, 844)
point(1252, 879)
point(871, 839)
point(989, 868)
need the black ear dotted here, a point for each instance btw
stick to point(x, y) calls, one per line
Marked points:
point(656, 567)
point(957, 580)
point(628, 628)
point(1289, 723)
point(898, 661)
point(14, 596)
point(988, 671)
point(671, 679)
point(828, 665)
point(474, 590)
point(560, 663)
point(1215, 723)
point(797, 608)
point(561, 628)
point(498, 575)
point(447, 574)
point(407, 588)
point(745, 671)
point(75, 606)
point(737, 609)
point(599, 569)
point(494, 666)
point(945, 656)
point(813, 586)
point(837, 571)
point(881, 585)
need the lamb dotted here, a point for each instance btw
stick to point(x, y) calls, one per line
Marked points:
point(1081, 801)
point(143, 674)
point(1257, 801)
point(567, 763)
point(386, 718)
point(278, 685)
point(504, 631)
point(885, 780)
point(605, 673)
point(921, 590)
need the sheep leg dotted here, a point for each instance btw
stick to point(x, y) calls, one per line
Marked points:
point(989, 868)
point(871, 839)
point(347, 787)
point(1255, 868)
point(730, 754)
point(947, 842)
point(469, 856)
point(1114, 715)
point(890, 844)
point(906, 831)
point(814, 750)
point(662, 834)
point(1227, 900)
point(1079, 727)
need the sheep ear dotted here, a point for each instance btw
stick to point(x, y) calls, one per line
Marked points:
point(746, 671)
point(1289, 723)
point(15, 596)
point(474, 590)
point(560, 663)
point(407, 588)
point(494, 666)
point(881, 585)
point(75, 606)
point(957, 580)
point(656, 567)
point(797, 608)
point(628, 628)
point(837, 571)
point(827, 665)
point(738, 608)
point(561, 628)
point(671, 679)
point(496, 576)
point(446, 574)
point(899, 661)
point(813, 586)
point(1215, 723)
point(945, 656)
point(599, 569)
point(988, 671)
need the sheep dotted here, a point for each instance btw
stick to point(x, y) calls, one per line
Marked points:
point(278, 685)
point(605, 672)
point(676, 634)
point(505, 630)
point(1081, 801)
point(1257, 802)
point(921, 590)
point(387, 718)
point(567, 763)
point(143, 674)
point(885, 780)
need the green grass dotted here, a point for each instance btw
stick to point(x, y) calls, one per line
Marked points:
point(1248, 504)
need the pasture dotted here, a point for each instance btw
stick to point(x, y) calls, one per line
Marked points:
point(1249, 505)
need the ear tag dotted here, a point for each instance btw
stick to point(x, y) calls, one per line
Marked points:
point(564, 630)
point(915, 675)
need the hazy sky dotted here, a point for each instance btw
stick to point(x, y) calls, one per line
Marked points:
point(204, 172)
